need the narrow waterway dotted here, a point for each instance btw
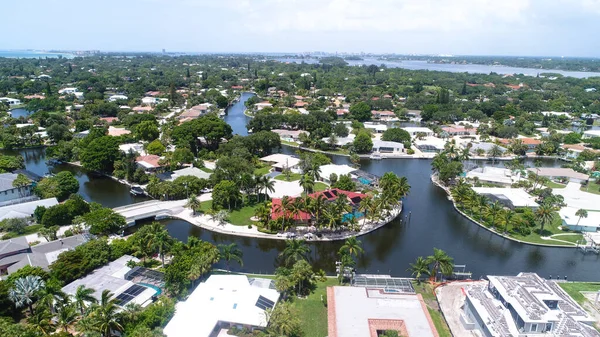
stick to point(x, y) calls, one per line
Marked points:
point(428, 220)
point(433, 223)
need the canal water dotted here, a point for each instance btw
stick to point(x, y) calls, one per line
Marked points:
point(428, 220)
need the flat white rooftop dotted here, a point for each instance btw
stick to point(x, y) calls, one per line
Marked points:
point(358, 312)
point(517, 196)
point(222, 298)
point(493, 174)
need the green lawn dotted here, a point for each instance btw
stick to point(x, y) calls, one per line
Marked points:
point(312, 312)
point(552, 184)
point(293, 177)
point(549, 230)
point(426, 290)
point(574, 289)
point(207, 170)
point(238, 217)
point(591, 187)
point(319, 186)
point(28, 230)
point(262, 171)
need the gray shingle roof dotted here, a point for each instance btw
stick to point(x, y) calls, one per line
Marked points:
point(6, 180)
point(13, 245)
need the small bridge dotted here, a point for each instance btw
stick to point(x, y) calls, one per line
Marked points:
point(150, 209)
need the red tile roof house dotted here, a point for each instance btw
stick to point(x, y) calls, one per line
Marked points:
point(148, 163)
point(530, 142)
point(194, 112)
point(109, 119)
point(342, 112)
point(382, 114)
point(300, 104)
point(459, 131)
point(330, 195)
point(237, 87)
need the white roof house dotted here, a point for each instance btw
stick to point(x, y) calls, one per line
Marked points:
point(67, 91)
point(220, 302)
point(413, 130)
point(327, 170)
point(190, 171)
point(114, 98)
point(575, 223)
point(281, 161)
point(515, 197)
point(494, 175)
point(525, 304)
point(558, 114)
point(387, 146)
point(10, 101)
point(25, 209)
point(377, 128)
point(112, 277)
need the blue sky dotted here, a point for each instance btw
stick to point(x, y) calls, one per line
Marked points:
point(477, 27)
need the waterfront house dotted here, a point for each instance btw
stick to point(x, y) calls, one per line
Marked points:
point(24, 208)
point(354, 199)
point(523, 305)
point(376, 128)
point(459, 130)
point(573, 222)
point(187, 171)
point(509, 197)
point(195, 111)
point(10, 101)
point(414, 130)
point(572, 151)
point(387, 147)
point(223, 302)
point(483, 146)
point(591, 134)
point(262, 105)
point(149, 163)
point(280, 162)
point(531, 143)
point(493, 175)
point(375, 304)
point(559, 173)
point(290, 135)
point(430, 144)
point(327, 170)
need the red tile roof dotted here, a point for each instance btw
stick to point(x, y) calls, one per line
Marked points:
point(526, 141)
point(237, 87)
point(330, 195)
point(151, 159)
point(382, 113)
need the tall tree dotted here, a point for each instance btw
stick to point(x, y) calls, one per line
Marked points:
point(544, 215)
point(440, 261)
point(419, 268)
point(294, 251)
point(352, 246)
point(83, 296)
point(231, 252)
point(105, 315)
point(25, 290)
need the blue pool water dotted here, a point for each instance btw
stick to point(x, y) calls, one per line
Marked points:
point(349, 216)
point(364, 181)
point(158, 290)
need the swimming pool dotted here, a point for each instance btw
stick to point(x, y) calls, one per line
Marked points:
point(151, 286)
point(364, 181)
point(348, 216)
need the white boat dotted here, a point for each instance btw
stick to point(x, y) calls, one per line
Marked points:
point(375, 156)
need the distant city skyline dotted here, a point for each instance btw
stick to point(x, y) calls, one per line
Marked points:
point(460, 27)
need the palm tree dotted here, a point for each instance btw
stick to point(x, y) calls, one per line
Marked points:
point(440, 261)
point(267, 184)
point(481, 201)
point(403, 187)
point(331, 217)
point(545, 215)
point(24, 291)
point(307, 183)
point(160, 240)
point(105, 315)
point(295, 250)
point(419, 268)
point(284, 207)
point(314, 171)
point(52, 295)
point(231, 252)
point(83, 295)
point(365, 205)
point(67, 315)
point(41, 321)
point(507, 218)
point(495, 152)
point(263, 213)
point(352, 246)
point(193, 203)
point(493, 210)
point(581, 213)
point(318, 204)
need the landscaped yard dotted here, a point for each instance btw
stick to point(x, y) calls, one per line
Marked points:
point(549, 230)
point(293, 177)
point(319, 186)
point(552, 184)
point(426, 290)
point(262, 171)
point(312, 312)
point(28, 230)
point(574, 289)
point(591, 187)
point(238, 217)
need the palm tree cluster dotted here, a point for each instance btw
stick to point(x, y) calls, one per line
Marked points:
point(439, 262)
point(152, 239)
point(54, 310)
point(332, 214)
point(494, 214)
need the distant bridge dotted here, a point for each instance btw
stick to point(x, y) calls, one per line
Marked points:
point(150, 209)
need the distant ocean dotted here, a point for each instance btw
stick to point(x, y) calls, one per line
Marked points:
point(28, 54)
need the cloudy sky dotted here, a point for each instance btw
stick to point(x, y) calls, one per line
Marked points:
point(475, 27)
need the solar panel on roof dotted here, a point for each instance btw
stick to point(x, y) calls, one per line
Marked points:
point(129, 294)
point(334, 192)
point(356, 200)
point(264, 303)
point(328, 194)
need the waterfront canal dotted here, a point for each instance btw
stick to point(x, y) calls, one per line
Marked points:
point(433, 223)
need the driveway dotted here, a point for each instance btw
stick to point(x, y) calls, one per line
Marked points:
point(578, 199)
